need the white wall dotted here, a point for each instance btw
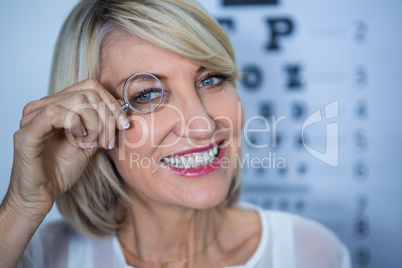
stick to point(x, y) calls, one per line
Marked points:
point(28, 32)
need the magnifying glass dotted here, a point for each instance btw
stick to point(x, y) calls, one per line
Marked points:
point(143, 92)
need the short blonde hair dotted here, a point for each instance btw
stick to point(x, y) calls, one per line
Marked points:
point(179, 26)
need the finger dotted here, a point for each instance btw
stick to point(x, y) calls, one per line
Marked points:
point(106, 121)
point(108, 129)
point(77, 103)
point(34, 107)
point(88, 86)
point(26, 119)
point(111, 102)
point(88, 114)
point(47, 122)
point(97, 118)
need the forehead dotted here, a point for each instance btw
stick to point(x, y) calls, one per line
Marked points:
point(119, 45)
point(123, 54)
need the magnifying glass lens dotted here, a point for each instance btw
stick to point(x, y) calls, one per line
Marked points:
point(143, 92)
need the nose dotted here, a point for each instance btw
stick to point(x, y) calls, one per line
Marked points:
point(198, 123)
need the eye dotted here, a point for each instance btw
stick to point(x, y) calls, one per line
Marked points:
point(209, 81)
point(213, 80)
point(148, 96)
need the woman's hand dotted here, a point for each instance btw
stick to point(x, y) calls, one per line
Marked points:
point(58, 135)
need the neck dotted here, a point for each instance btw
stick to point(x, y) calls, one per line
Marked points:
point(158, 233)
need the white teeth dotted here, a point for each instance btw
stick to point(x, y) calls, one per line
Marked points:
point(199, 160)
point(194, 160)
point(206, 157)
point(191, 162)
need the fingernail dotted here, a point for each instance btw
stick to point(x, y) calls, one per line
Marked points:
point(111, 144)
point(124, 122)
point(84, 131)
point(93, 144)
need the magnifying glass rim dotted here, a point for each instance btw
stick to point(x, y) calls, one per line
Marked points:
point(125, 96)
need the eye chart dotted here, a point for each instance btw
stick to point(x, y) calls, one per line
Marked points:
point(321, 94)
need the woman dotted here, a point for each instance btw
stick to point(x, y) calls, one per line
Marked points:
point(143, 187)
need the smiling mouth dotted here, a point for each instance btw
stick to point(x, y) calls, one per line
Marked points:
point(193, 160)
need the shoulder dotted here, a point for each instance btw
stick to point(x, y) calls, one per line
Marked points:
point(314, 244)
point(54, 236)
point(48, 247)
point(60, 237)
point(301, 228)
point(58, 244)
point(54, 228)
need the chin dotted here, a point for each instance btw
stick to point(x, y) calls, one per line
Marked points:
point(204, 199)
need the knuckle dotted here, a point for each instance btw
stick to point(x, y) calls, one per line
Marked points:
point(94, 86)
point(80, 98)
point(23, 121)
point(51, 111)
point(91, 83)
point(29, 108)
point(92, 94)
point(19, 139)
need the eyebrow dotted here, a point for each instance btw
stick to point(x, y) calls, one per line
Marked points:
point(161, 77)
point(201, 69)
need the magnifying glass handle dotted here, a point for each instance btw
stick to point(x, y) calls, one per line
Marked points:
point(124, 106)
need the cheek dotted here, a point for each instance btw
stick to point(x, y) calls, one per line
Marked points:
point(228, 111)
point(236, 111)
point(131, 143)
point(133, 155)
point(137, 136)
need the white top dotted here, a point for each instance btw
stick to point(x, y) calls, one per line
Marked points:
point(287, 241)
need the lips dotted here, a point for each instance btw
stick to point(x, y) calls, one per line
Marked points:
point(196, 163)
point(193, 160)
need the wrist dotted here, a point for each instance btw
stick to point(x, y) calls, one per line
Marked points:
point(16, 230)
point(15, 208)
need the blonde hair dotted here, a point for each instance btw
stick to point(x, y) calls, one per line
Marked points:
point(179, 26)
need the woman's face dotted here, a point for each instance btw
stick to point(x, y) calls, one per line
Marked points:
point(184, 153)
